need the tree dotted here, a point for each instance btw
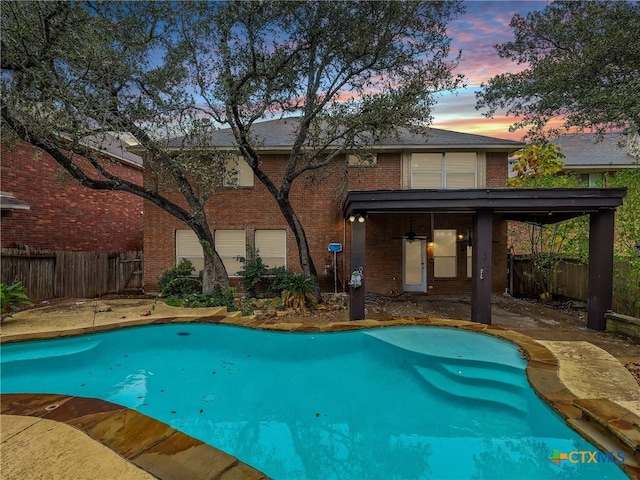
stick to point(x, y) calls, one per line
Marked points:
point(350, 71)
point(580, 63)
point(72, 70)
point(536, 160)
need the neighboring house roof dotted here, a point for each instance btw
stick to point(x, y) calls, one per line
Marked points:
point(9, 202)
point(278, 135)
point(585, 152)
point(114, 145)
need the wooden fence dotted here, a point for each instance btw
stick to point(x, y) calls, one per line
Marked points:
point(51, 274)
point(571, 280)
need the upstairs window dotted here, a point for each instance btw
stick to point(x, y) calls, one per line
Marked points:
point(593, 180)
point(444, 170)
point(238, 173)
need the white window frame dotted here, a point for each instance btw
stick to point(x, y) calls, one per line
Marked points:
point(445, 261)
point(231, 244)
point(272, 247)
point(238, 173)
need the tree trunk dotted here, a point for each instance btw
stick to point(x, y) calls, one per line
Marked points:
point(304, 254)
point(214, 272)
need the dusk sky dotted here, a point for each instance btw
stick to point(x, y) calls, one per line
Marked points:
point(485, 24)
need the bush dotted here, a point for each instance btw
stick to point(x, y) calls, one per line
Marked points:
point(252, 272)
point(280, 280)
point(179, 281)
point(219, 298)
point(12, 297)
point(299, 292)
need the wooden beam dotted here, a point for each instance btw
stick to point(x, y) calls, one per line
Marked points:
point(356, 295)
point(481, 267)
point(600, 290)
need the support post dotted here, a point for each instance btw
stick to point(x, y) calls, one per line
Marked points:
point(600, 296)
point(481, 267)
point(356, 295)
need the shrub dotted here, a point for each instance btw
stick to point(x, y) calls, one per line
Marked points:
point(219, 298)
point(178, 281)
point(253, 269)
point(12, 297)
point(299, 292)
point(280, 280)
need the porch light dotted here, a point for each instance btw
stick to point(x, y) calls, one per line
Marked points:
point(360, 219)
point(356, 218)
point(638, 248)
point(352, 218)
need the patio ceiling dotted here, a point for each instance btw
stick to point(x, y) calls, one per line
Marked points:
point(542, 206)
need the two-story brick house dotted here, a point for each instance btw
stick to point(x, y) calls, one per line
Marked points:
point(248, 216)
point(422, 214)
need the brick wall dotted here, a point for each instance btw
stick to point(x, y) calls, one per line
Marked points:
point(497, 170)
point(318, 204)
point(65, 215)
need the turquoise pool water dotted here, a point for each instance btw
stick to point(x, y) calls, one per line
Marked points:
point(393, 403)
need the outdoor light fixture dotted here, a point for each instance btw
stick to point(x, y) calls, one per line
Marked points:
point(638, 248)
point(356, 218)
point(352, 218)
point(360, 219)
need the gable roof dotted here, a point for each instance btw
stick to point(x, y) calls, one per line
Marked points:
point(584, 152)
point(278, 135)
point(114, 145)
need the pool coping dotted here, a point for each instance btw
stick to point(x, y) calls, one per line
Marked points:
point(167, 453)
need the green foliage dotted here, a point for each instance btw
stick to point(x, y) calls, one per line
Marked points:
point(178, 281)
point(220, 297)
point(253, 269)
point(541, 159)
point(12, 297)
point(626, 292)
point(74, 71)
point(279, 282)
point(580, 63)
point(299, 291)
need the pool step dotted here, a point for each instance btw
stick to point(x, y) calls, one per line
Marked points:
point(485, 390)
point(469, 377)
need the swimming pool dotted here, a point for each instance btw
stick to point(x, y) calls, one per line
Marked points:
point(392, 403)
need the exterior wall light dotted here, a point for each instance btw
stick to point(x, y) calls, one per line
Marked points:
point(352, 218)
point(356, 218)
point(360, 219)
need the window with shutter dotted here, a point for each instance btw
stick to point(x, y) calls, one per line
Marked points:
point(444, 170)
point(272, 247)
point(231, 244)
point(188, 247)
point(238, 173)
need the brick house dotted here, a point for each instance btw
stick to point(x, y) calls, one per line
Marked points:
point(248, 216)
point(42, 207)
point(422, 214)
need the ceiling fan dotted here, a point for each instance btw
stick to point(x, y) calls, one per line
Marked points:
point(411, 235)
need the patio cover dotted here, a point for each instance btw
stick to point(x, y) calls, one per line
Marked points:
point(541, 206)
